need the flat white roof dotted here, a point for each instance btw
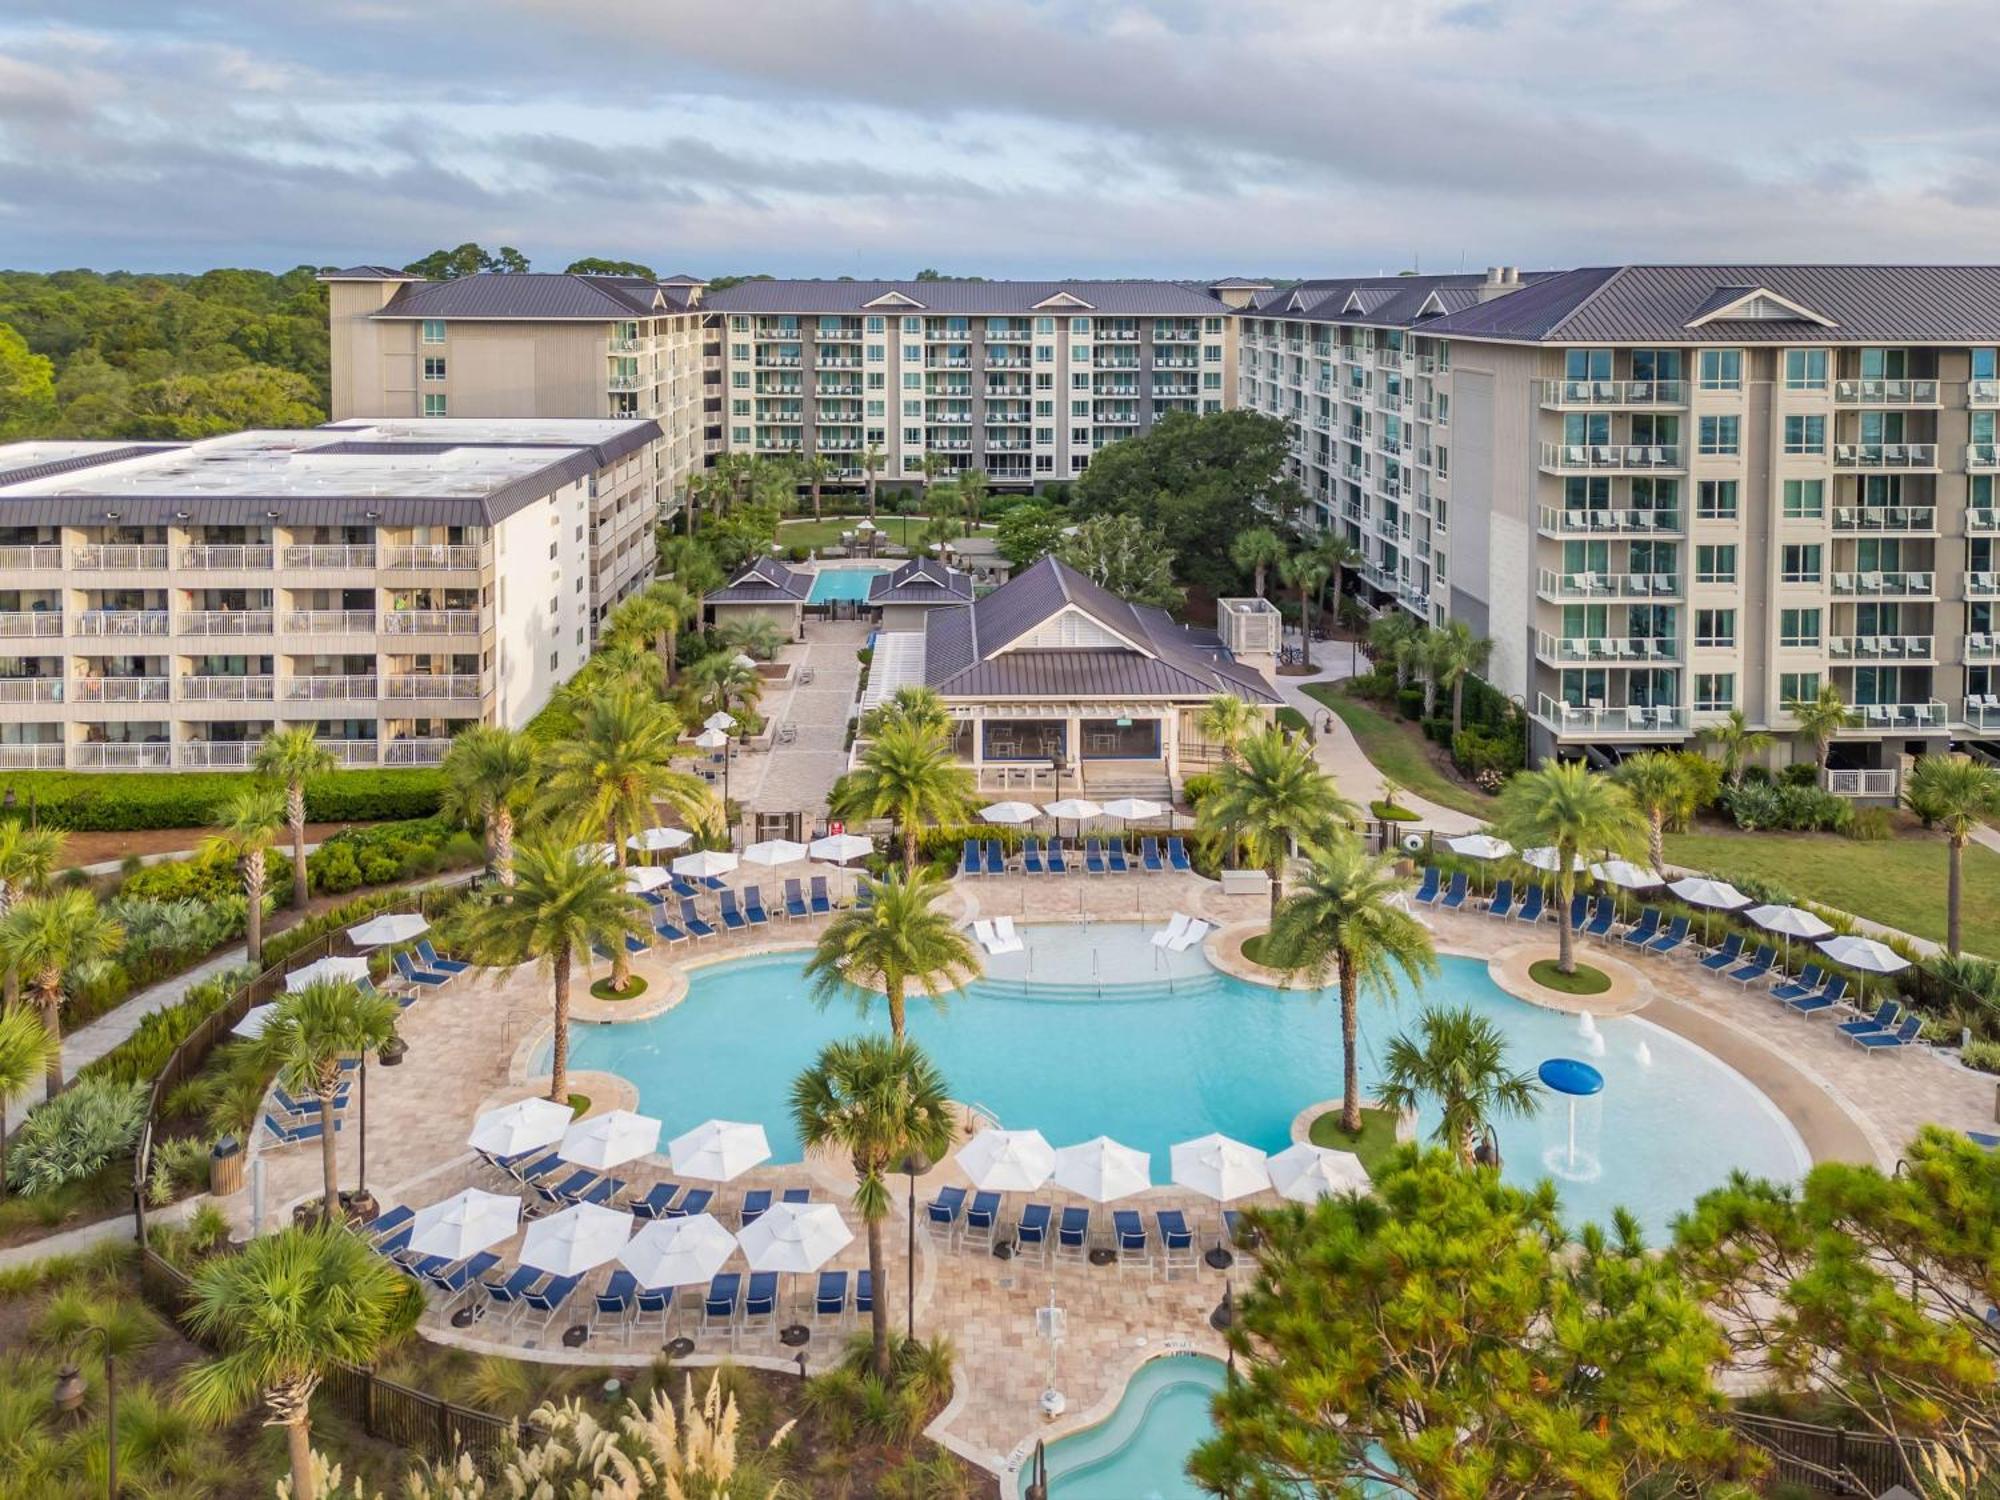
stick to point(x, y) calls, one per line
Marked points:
point(898, 662)
point(581, 432)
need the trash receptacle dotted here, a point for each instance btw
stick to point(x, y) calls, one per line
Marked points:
point(225, 1167)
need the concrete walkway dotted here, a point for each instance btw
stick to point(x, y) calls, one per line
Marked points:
point(798, 776)
point(84, 1236)
point(88, 1043)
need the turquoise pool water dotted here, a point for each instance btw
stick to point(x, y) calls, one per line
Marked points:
point(1139, 1452)
point(845, 584)
point(1181, 1050)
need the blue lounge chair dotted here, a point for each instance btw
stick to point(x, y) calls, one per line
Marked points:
point(529, 1175)
point(1579, 913)
point(1675, 935)
point(668, 933)
point(996, 858)
point(1454, 897)
point(1177, 854)
point(731, 917)
point(1032, 1233)
point(1990, 1142)
point(453, 1282)
point(982, 1217)
point(571, 1188)
point(795, 899)
point(548, 1300)
point(1115, 855)
point(1502, 904)
point(1073, 1234)
point(651, 898)
point(760, 1299)
point(1758, 968)
point(657, 1203)
point(864, 894)
point(1727, 954)
point(1031, 856)
point(1058, 861)
point(968, 858)
point(384, 1225)
point(310, 1104)
point(653, 1302)
point(436, 962)
point(864, 1291)
point(1134, 1248)
point(693, 1201)
point(830, 1296)
point(1606, 914)
point(1826, 999)
point(683, 888)
point(719, 1306)
point(945, 1208)
point(1428, 891)
point(1904, 1035)
point(1804, 985)
point(1883, 1019)
point(753, 906)
point(1531, 906)
point(756, 1203)
point(1647, 928)
point(615, 1301)
point(421, 977)
point(395, 1243)
point(691, 919)
point(796, 1195)
point(1176, 1241)
point(635, 944)
point(822, 903)
point(1093, 856)
point(505, 1296)
point(299, 1134)
point(1149, 854)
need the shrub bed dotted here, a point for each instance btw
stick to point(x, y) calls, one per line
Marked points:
point(114, 802)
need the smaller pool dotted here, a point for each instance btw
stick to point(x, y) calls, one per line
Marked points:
point(1140, 1452)
point(846, 585)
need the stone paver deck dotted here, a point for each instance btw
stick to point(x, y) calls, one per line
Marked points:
point(797, 777)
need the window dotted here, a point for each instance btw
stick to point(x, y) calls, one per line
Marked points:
point(913, 325)
point(1798, 627)
point(1045, 325)
point(1211, 354)
point(740, 407)
point(739, 351)
point(1045, 354)
point(1805, 434)
point(1715, 500)
point(1586, 364)
point(1805, 369)
point(1211, 380)
point(739, 380)
point(1080, 380)
point(913, 380)
point(1800, 563)
point(1079, 325)
point(913, 437)
point(1715, 627)
point(1722, 369)
point(433, 330)
point(877, 354)
point(434, 404)
point(739, 437)
point(1045, 409)
point(1798, 687)
point(914, 353)
point(875, 323)
point(1080, 409)
point(738, 323)
point(1211, 325)
point(433, 367)
point(1079, 354)
point(1079, 437)
point(1045, 437)
point(1714, 692)
point(1715, 564)
point(1805, 499)
point(913, 408)
point(1721, 436)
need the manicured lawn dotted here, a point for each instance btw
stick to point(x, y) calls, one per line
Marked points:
point(1373, 1145)
point(810, 533)
point(600, 989)
point(1899, 881)
point(1585, 981)
point(1401, 753)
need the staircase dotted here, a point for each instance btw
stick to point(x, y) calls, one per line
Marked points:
point(1115, 779)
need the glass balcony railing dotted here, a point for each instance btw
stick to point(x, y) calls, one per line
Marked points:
point(1885, 518)
point(1608, 585)
point(1871, 584)
point(1561, 521)
point(1881, 647)
point(1565, 458)
point(1604, 393)
point(1590, 719)
point(1885, 455)
point(1607, 650)
point(1879, 392)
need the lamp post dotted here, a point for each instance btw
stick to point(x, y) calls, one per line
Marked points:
point(69, 1395)
point(914, 1166)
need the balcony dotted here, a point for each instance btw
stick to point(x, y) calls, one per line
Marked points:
point(1877, 585)
point(1982, 585)
point(1632, 719)
point(999, 361)
point(621, 345)
point(124, 756)
point(626, 382)
point(120, 689)
point(1982, 521)
point(1558, 395)
point(1982, 458)
point(227, 556)
point(1006, 335)
point(31, 757)
point(332, 688)
point(353, 752)
point(436, 556)
point(836, 362)
point(1982, 393)
point(1115, 360)
point(1982, 714)
point(31, 622)
point(949, 362)
point(1886, 392)
point(330, 622)
point(222, 687)
point(1901, 718)
point(119, 559)
point(1007, 445)
point(425, 752)
point(120, 622)
point(224, 622)
point(1606, 650)
point(329, 555)
point(1982, 647)
point(1164, 361)
point(460, 687)
point(1557, 521)
point(218, 754)
point(1878, 784)
point(1601, 458)
point(1556, 585)
point(1881, 647)
point(1881, 518)
point(31, 689)
point(37, 559)
point(1903, 457)
point(430, 622)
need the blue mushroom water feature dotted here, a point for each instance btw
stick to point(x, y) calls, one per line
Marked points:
point(1575, 1081)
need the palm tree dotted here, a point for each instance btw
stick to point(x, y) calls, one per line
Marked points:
point(654, 619)
point(1562, 805)
point(1339, 554)
point(722, 684)
point(48, 939)
point(561, 903)
point(488, 773)
point(900, 940)
point(1458, 653)
point(1820, 718)
point(1957, 795)
point(871, 463)
point(1349, 918)
point(1271, 798)
point(294, 756)
point(1224, 720)
point(878, 1099)
point(1256, 552)
point(1429, 654)
point(912, 705)
point(304, 1041)
point(250, 823)
point(1462, 1064)
point(1659, 784)
point(1393, 639)
point(689, 564)
point(27, 1052)
point(758, 636)
point(286, 1309)
point(1305, 575)
point(1737, 741)
point(972, 486)
point(908, 773)
point(28, 857)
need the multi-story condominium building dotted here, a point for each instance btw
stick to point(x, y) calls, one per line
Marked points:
point(1024, 379)
point(1667, 492)
point(532, 345)
point(388, 582)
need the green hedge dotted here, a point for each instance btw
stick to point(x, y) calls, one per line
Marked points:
point(114, 802)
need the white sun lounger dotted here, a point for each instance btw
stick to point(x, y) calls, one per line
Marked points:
point(1168, 935)
point(1005, 938)
point(982, 930)
point(1196, 931)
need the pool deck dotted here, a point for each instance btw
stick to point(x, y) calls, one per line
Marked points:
point(471, 1045)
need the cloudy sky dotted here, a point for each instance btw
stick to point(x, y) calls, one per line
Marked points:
point(999, 137)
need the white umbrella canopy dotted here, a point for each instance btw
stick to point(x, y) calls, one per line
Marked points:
point(1074, 807)
point(704, 863)
point(392, 927)
point(1102, 1170)
point(742, 659)
point(575, 1240)
point(642, 878)
point(1220, 1168)
point(774, 852)
point(520, 1126)
point(1549, 858)
point(1010, 812)
point(1864, 954)
point(719, 720)
point(255, 1019)
point(1007, 1161)
point(335, 970)
point(678, 1252)
point(711, 739)
point(653, 840)
point(1304, 1172)
point(1701, 891)
point(604, 854)
point(465, 1224)
point(1626, 875)
point(1791, 921)
point(839, 848)
point(603, 1141)
point(1482, 846)
point(795, 1237)
point(1133, 809)
point(718, 1150)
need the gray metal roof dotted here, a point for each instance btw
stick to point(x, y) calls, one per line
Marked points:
point(1376, 301)
point(30, 467)
point(369, 273)
point(922, 580)
point(1114, 298)
point(763, 582)
point(1624, 304)
point(1239, 284)
point(529, 296)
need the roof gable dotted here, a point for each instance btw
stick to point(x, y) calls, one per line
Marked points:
point(892, 299)
point(1065, 299)
point(1754, 304)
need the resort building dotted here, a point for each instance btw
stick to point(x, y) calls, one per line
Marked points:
point(386, 582)
point(530, 345)
point(906, 596)
point(1023, 379)
point(1726, 486)
point(764, 589)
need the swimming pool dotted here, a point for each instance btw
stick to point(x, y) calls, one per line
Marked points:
point(1096, 1033)
point(847, 585)
point(1140, 1451)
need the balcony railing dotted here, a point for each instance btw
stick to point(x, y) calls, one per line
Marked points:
point(1878, 717)
point(1982, 392)
point(1863, 783)
point(1873, 584)
point(435, 555)
point(330, 688)
point(1600, 457)
point(455, 685)
point(31, 622)
point(227, 555)
point(353, 752)
point(1609, 585)
point(1982, 647)
point(1885, 518)
point(1982, 457)
point(1881, 647)
point(1557, 519)
point(39, 559)
point(120, 689)
point(1982, 585)
point(1982, 713)
point(31, 689)
point(625, 382)
point(31, 757)
point(223, 754)
point(1885, 455)
point(118, 558)
point(121, 622)
point(1561, 393)
point(1635, 718)
point(1609, 650)
point(224, 687)
point(329, 555)
point(224, 622)
point(1982, 521)
point(428, 752)
point(330, 622)
point(430, 622)
point(124, 756)
point(1886, 392)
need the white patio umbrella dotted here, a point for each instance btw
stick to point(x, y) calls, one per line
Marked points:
point(839, 848)
point(255, 1019)
point(642, 878)
point(465, 1224)
point(1102, 1170)
point(1074, 807)
point(1788, 922)
point(774, 852)
point(1010, 812)
point(742, 659)
point(572, 1242)
point(1481, 846)
point(678, 1252)
point(711, 739)
point(1133, 809)
point(795, 1237)
point(1865, 955)
point(653, 840)
point(718, 1150)
point(1626, 875)
point(392, 927)
point(352, 970)
point(604, 854)
point(1549, 858)
point(1007, 1161)
point(1220, 1168)
point(1716, 895)
point(719, 720)
point(520, 1126)
point(704, 863)
point(1304, 1172)
point(603, 1141)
